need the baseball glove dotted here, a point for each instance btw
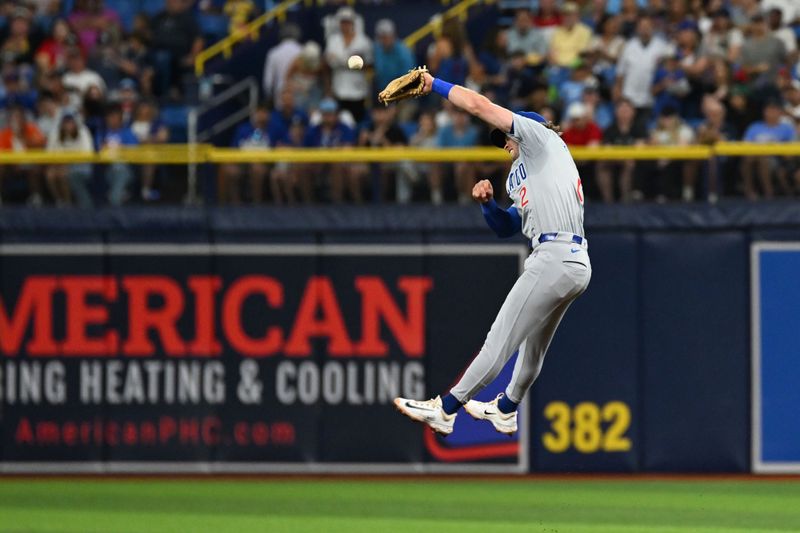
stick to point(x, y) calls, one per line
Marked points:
point(408, 85)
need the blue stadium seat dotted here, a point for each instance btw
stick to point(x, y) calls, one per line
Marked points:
point(213, 27)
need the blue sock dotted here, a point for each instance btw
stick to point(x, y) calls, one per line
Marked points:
point(506, 406)
point(450, 404)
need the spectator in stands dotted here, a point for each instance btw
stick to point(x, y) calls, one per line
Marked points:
point(16, 94)
point(19, 45)
point(623, 132)
point(601, 110)
point(52, 53)
point(580, 129)
point(547, 17)
point(460, 133)
point(66, 181)
point(90, 18)
point(771, 130)
point(695, 66)
point(349, 87)
point(284, 115)
point(176, 42)
point(383, 132)
point(782, 32)
point(286, 178)
point(305, 77)
point(133, 62)
point(21, 134)
point(790, 11)
point(425, 137)
point(712, 130)
point(570, 39)
point(723, 39)
point(392, 56)
point(331, 132)
point(519, 81)
point(630, 14)
point(671, 130)
point(762, 55)
point(148, 130)
point(105, 59)
point(606, 46)
point(636, 68)
point(78, 78)
point(580, 78)
point(279, 61)
point(113, 136)
point(792, 99)
point(250, 135)
point(524, 37)
point(670, 84)
point(446, 56)
point(48, 114)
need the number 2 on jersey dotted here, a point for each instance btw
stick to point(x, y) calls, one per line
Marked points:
point(524, 193)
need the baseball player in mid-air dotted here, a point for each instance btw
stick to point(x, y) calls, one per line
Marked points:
point(548, 209)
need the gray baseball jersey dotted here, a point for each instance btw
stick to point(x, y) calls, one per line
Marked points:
point(546, 189)
point(543, 182)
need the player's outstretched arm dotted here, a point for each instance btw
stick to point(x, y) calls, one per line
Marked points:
point(471, 102)
point(504, 223)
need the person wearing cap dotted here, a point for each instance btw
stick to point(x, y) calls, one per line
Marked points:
point(332, 132)
point(723, 40)
point(762, 54)
point(392, 57)
point(773, 129)
point(349, 86)
point(279, 60)
point(547, 194)
point(570, 39)
point(67, 181)
point(304, 77)
point(252, 134)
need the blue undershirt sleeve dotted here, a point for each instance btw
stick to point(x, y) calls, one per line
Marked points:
point(504, 223)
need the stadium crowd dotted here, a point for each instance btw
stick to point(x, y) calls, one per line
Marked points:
point(613, 72)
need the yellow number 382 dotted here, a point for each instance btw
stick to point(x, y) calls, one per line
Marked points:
point(583, 427)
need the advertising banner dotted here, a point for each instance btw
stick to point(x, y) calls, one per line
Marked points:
point(243, 358)
point(775, 316)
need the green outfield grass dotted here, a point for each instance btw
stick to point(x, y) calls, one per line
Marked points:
point(462, 505)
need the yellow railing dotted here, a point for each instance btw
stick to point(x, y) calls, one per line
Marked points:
point(434, 27)
point(183, 154)
point(225, 46)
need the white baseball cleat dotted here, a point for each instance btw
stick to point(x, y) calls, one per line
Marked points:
point(428, 412)
point(505, 423)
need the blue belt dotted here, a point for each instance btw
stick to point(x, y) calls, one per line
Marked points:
point(544, 237)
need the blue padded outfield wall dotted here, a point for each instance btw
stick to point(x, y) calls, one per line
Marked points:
point(225, 340)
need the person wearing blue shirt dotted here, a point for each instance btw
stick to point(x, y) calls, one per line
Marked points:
point(280, 120)
point(333, 133)
point(114, 135)
point(460, 133)
point(392, 56)
point(250, 135)
point(771, 130)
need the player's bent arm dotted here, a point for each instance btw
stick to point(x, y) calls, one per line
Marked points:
point(505, 223)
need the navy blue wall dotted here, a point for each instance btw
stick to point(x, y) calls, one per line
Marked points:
point(662, 332)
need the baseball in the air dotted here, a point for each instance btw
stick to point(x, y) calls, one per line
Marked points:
point(355, 62)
